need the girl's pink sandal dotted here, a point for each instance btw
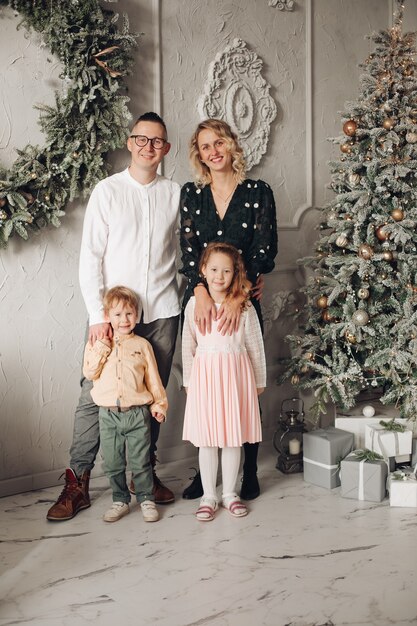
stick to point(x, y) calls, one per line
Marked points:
point(206, 510)
point(235, 507)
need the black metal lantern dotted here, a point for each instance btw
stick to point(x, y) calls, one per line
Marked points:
point(288, 438)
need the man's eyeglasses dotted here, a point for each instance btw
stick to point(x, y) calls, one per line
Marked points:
point(141, 141)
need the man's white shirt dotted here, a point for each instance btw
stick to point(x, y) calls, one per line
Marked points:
point(130, 239)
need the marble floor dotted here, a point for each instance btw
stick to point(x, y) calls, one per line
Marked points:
point(304, 556)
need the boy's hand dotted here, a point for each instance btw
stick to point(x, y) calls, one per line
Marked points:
point(260, 390)
point(160, 417)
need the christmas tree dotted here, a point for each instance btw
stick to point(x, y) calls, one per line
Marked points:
point(358, 328)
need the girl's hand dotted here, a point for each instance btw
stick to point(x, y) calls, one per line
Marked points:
point(160, 417)
point(257, 290)
point(229, 316)
point(205, 310)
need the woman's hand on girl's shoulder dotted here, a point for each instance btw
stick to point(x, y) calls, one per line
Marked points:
point(228, 316)
point(258, 289)
point(204, 310)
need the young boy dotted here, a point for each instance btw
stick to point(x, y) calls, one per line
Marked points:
point(128, 390)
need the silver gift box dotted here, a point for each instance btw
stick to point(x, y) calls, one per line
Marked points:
point(323, 450)
point(363, 480)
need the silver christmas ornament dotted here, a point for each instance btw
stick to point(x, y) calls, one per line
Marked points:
point(363, 293)
point(411, 137)
point(354, 179)
point(360, 318)
point(342, 240)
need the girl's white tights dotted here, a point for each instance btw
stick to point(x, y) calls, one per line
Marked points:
point(208, 460)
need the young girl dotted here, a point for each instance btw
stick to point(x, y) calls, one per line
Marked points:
point(223, 375)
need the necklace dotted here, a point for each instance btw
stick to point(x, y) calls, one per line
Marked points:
point(227, 199)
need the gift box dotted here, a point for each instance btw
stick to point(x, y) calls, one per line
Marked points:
point(363, 478)
point(356, 425)
point(323, 450)
point(387, 442)
point(414, 453)
point(402, 486)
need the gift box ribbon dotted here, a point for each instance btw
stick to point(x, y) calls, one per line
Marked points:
point(363, 456)
point(320, 464)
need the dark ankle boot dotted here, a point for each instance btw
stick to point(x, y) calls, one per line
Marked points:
point(73, 498)
point(195, 490)
point(250, 486)
point(160, 492)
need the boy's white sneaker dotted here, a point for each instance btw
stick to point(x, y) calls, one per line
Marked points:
point(149, 511)
point(116, 511)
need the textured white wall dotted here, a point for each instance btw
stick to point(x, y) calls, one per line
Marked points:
point(310, 59)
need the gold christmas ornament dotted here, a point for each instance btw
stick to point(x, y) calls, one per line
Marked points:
point(309, 356)
point(345, 148)
point(342, 240)
point(387, 255)
point(397, 215)
point(326, 316)
point(354, 179)
point(365, 251)
point(385, 76)
point(388, 123)
point(363, 293)
point(2, 201)
point(349, 128)
point(295, 379)
point(360, 318)
point(322, 302)
point(350, 337)
point(381, 233)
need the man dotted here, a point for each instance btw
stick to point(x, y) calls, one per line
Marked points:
point(129, 238)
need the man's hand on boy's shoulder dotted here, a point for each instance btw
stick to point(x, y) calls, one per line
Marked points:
point(106, 341)
point(100, 331)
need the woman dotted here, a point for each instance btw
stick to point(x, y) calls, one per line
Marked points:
point(224, 205)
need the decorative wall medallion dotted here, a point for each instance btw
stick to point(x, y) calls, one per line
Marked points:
point(282, 5)
point(277, 305)
point(236, 92)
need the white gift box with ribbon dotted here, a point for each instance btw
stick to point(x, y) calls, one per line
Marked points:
point(388, 442)
point(402, 487)
point(356, 425)
point(363, 479)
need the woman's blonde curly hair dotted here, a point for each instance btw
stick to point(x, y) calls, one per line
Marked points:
point(221, 128)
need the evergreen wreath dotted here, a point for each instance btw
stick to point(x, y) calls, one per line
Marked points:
point(87, 121)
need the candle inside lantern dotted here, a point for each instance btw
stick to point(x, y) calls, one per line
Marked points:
point(295, 446)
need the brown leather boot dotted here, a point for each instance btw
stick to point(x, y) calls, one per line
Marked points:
point(74, 497)
point(161, 493)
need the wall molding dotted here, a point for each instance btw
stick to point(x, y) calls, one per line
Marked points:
point(308, 204)
point(236, 92)
point(282, 5)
